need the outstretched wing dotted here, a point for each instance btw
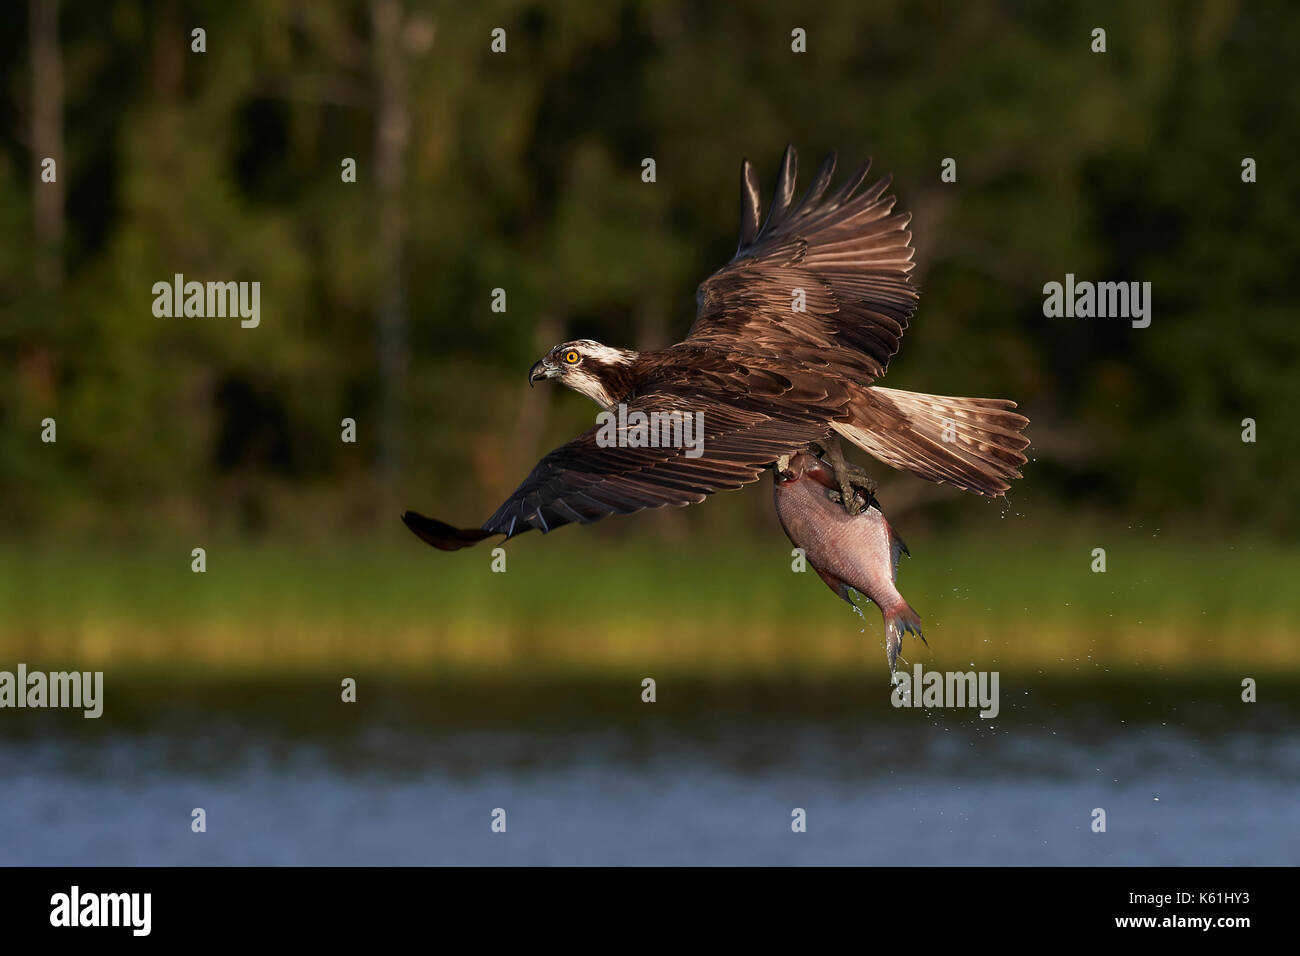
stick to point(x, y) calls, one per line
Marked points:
point(845, 259)
point(588, 479)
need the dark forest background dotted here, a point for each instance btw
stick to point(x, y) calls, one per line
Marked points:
point(522, 171)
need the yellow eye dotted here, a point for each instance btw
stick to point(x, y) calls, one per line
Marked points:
point(571, 357)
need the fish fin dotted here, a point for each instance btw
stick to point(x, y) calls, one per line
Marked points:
point(898, 622)
point(897, 548)
point(840, 588)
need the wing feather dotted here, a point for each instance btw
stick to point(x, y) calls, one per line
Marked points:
point(750, 204)
point(581, 482)
point(850, 254)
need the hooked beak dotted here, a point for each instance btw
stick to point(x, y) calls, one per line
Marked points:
point(538, 372)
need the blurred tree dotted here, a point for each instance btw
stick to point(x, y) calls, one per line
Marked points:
point(520, 170)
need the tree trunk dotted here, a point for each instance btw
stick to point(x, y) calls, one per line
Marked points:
point(392, 129)
point(47, 141)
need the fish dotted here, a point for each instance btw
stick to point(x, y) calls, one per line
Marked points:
point(849, 552)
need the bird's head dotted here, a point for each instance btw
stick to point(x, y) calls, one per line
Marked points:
point(598, 371)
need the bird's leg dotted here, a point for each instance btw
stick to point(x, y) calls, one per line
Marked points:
point(860, 479)
point(851, 478)
point(844, 475)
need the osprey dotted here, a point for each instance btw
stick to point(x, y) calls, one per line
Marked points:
point(787, 339)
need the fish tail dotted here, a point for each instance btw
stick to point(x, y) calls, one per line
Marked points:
point(900, 619)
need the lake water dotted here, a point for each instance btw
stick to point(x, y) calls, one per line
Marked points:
point(589, 774)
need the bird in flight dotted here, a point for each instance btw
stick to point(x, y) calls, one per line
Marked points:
point(787, 340)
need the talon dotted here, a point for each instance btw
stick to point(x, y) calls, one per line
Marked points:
point(851, 500)
point(845, 476)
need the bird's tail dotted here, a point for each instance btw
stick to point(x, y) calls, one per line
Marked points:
point(973, 443)
point(898, 621)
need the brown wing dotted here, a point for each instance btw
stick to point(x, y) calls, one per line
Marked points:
point(849, 255)
point(584, 482)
